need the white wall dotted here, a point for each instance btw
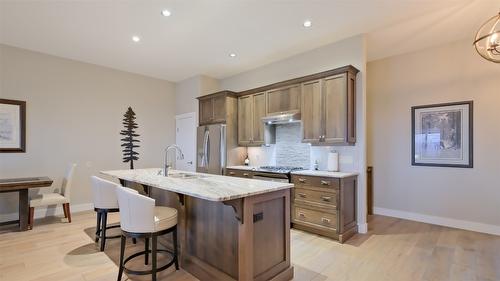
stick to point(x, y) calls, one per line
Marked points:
point(74, 113)
point(349, 51)
point(466, 198)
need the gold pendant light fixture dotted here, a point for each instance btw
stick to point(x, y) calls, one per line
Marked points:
point(487, 40)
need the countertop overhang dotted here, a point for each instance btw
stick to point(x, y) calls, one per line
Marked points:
point(205, 186)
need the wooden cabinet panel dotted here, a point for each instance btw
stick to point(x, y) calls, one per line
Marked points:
point(259, 111)
point(321, 197)
point(316, 218)
point(245, 117)
point(325, 205)
point(251, 109)
point(313, 181)
point(311, 111)
point(335, 99)
point(206, 111)
point(239, 173)
point(285, 99)
point(219, 109)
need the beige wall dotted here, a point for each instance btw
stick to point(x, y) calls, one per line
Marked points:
point(188, 90)
point(74, 113)
point(454, 196)
point(345, 52)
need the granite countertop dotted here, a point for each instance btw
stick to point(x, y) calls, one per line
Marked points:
point(325, 173)
point(204, 186)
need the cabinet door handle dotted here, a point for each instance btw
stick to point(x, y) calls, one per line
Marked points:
point(325, 220)
point(325, 183)
point(302, 195)
point(302, 180)
point(302, 215)
point(326, 198)
point(231, 173)
point(245, 174)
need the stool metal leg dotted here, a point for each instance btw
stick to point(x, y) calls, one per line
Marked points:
point(98, 227)
point(153, 256)
point(122, 254)
point(176, 254)
point(146, 249)
point(103, 230)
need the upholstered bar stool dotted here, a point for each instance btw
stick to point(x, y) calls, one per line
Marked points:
point(141, 219)
point(105, 201)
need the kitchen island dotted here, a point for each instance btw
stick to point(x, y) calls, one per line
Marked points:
point(229, 228)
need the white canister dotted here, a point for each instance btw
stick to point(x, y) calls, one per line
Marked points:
point(333, 161)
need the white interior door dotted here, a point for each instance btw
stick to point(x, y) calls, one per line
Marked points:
point(185, 138)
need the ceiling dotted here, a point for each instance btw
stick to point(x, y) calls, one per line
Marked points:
point(200, 34)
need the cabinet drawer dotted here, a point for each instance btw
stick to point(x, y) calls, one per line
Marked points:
point(322, 182)
point(316, 218)
point(315, 196)
point(239, 173)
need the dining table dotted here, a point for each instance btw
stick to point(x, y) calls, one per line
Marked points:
point(21, 186)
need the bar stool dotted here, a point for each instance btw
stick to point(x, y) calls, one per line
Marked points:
point(105, 201)
point(141, 219)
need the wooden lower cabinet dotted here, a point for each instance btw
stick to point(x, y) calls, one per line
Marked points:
point(239, 173)
point(325, 206)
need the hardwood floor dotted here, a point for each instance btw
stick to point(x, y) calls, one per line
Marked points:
point(393, 249)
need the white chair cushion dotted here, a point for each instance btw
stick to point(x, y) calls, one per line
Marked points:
point(48, 199)
point(165, 218)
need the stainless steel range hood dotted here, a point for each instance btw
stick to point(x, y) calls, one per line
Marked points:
point(282, 118)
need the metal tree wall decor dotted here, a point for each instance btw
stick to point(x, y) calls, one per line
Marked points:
point(487, 41)
point(129, 141)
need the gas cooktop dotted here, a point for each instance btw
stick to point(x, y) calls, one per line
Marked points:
point(280, 169)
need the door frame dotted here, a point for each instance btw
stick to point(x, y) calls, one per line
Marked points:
point(194, 116)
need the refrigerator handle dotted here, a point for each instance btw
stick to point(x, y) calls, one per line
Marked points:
point(206, 148)
point(222, 149)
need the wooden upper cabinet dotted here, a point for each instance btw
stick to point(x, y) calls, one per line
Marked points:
point(245, 119)
point(335, 99)
point(329, 110)
point(251, 109)
point(213, 108)
point(219, 103)
point(311, 109)
point(206, 111)
point(259, 111)
point(286, 99)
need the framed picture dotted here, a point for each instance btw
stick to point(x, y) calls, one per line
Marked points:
point(442, 135)
point(12, 126)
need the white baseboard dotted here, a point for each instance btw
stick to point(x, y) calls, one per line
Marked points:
point(50, 211)
point(449, 222)
point(362, 227)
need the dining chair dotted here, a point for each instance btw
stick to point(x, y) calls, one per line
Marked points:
point(54, 198)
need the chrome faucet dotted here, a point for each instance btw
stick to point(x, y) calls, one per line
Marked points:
point(166, 167)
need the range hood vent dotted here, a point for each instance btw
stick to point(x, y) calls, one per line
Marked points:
point(282, 118)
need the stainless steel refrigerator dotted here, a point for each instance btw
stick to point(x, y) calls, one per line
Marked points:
point(216, 147)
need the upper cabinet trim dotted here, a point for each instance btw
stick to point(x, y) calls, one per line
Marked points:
point(299, 80)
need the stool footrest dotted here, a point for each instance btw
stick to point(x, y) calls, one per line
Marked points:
point(145, 272)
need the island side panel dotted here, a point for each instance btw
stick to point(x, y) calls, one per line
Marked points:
point(268, 255)
point(211, 240)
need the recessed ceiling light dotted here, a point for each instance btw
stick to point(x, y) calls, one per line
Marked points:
point(307, 23)
point(136, 38)
point(166, 13)
point(232, 55)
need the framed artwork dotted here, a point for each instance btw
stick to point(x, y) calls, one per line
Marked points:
point(12, 126)
point(442, 135)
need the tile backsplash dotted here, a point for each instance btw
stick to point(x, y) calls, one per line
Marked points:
point(290, 151)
